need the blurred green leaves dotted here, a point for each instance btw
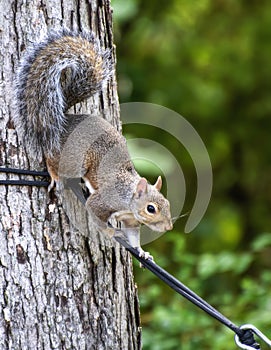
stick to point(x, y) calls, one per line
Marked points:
point(125, 9)
point(209, 61)
point(211, 264)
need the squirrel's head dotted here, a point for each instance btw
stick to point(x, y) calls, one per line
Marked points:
point(150, 207)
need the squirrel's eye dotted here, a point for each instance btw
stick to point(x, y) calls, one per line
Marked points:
point(151, 209)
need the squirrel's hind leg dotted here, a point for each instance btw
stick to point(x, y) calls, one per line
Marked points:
point(52, 167)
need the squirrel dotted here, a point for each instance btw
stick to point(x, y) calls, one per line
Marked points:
point(66, 68)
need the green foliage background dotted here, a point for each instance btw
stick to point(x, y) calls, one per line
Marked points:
point(210, 61)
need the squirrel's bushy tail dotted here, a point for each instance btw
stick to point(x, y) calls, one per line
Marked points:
point(52, 76)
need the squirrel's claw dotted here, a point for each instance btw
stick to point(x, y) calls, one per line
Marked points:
point(144, 255)
point(114, 223)
point(51, 186)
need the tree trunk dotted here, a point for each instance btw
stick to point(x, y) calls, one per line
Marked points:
point(61, 287)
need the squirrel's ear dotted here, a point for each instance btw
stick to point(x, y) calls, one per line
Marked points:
point(158, 183)
point(141, 187)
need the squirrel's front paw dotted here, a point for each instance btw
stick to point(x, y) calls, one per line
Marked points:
point(114, 223)
point(144, 255)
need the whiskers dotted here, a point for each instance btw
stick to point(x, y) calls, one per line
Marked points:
point(175, 218)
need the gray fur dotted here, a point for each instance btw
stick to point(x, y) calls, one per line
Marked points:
point(40, 117)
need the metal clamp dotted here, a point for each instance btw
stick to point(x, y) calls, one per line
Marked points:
point(255, 331)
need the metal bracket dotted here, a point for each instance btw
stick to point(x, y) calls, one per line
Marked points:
point(255, 331)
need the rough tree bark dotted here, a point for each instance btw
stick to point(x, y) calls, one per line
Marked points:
point(60, 287)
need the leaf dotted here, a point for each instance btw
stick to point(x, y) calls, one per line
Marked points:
point(261, 242)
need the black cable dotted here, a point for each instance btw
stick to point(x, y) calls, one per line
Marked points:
point(19, 182)
point(24, 172)
point(246, 336)
point(180, 288)
point(25, 183)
